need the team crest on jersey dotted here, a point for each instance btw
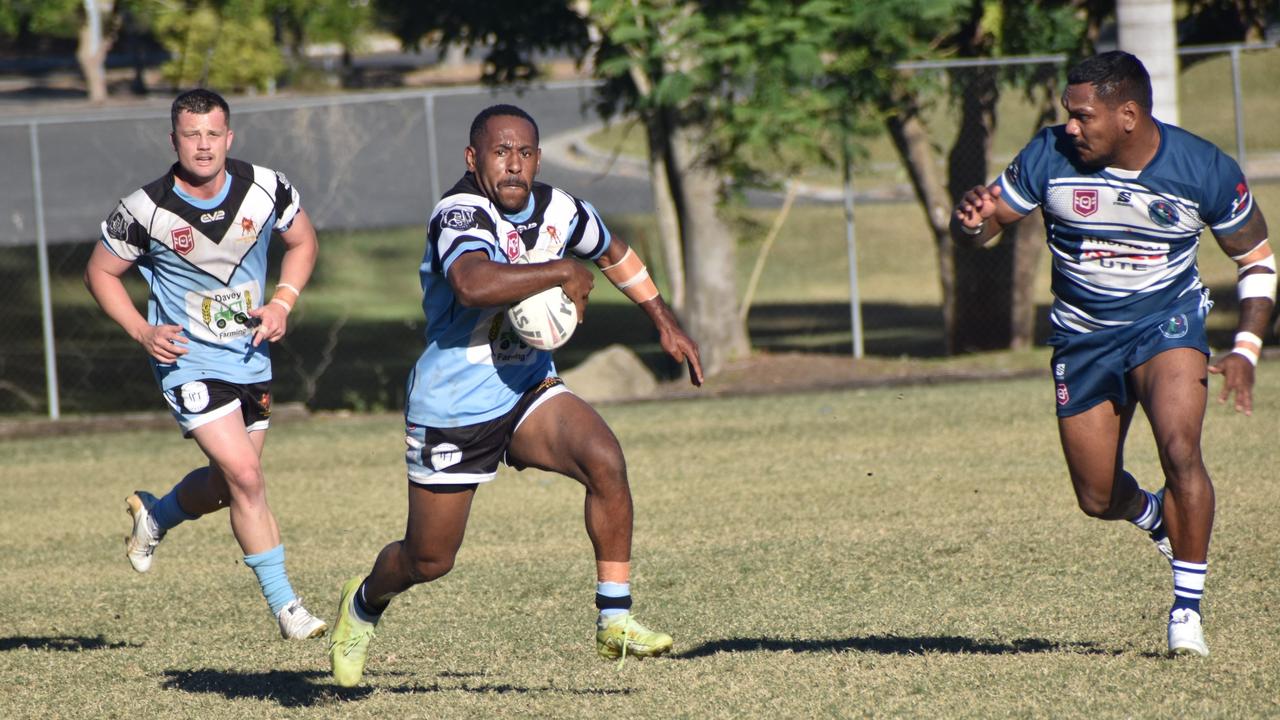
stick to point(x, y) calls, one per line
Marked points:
point(513, 244)
point(1162, 213)
point(1175, 327)
point(1064, 397)
point(1085, 201)
point(459, 218)
point(184, 240)
point(248, 229)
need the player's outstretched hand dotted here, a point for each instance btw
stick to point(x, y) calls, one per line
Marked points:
point(162, 342)
point(977, 204)
point(1237, 374)
point(272, 321)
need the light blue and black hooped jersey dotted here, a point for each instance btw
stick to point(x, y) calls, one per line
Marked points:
point(475, 367)
point(205, 262)
point(1124, 243)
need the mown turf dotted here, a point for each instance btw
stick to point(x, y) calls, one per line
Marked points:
point(901, 551)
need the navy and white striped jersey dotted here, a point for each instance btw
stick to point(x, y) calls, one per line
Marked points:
point(475, 367)
point(206, 264)
point(1124, 243)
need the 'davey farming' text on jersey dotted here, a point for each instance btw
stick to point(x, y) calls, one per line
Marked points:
point(1124, 242)
point(206, 264)
point(475, 367)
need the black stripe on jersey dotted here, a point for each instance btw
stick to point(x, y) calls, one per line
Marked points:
point(215, 222)
point(580, 227)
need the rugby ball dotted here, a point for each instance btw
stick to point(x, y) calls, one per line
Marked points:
point(544, 320)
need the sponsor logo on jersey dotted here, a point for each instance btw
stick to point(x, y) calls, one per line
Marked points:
point(184, 240)
point(1241, 200)
point(1124, 197)
point(1060, 370)
point(526, 226)
point(117, 224)
point(1013, 171)
point(553, 233)
point(1085, 201)
point(264, 404)
point(248, 229)
point(1162, 213)
point(214, 216)
point(513, 244)
point(195, 396)
point(1064, 397)
point(445, 455)
point(459, 218)
point(1175, 327)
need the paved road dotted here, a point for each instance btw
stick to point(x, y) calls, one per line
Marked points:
point(360, 161)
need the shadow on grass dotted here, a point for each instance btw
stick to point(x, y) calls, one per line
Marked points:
point(313, 687)
point(61, 643)
point(894, 645)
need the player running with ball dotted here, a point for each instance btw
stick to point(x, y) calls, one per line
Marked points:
point(1125, 198)
point(478, 395)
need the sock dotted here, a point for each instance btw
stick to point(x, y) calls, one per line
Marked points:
point(1188, 585)
point(269, 567)
point(362, 608)
point(167, 512)
point(613, 598)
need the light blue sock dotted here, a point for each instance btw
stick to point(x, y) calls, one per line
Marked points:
point(168, 513)
point(269, 567)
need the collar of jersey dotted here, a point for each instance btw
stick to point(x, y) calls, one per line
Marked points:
point(523, 215)
point(212, 202)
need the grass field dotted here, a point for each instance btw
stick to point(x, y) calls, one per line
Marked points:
point(892, 552)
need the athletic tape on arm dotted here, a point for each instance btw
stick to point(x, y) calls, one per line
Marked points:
point(1259, 284)
point(631, 277)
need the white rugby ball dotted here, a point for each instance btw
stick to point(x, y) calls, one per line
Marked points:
point(544, 320)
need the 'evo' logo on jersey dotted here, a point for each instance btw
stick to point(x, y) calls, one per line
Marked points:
point(1085, 202)
point(214, 216)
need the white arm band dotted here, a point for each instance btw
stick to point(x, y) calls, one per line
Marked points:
point(1258, 285)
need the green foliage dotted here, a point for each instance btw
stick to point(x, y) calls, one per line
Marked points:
point(55, 18)
point(224, 44)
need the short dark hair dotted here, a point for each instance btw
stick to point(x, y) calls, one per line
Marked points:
point(1117, 77)
point(478, 125)
point(198, 102)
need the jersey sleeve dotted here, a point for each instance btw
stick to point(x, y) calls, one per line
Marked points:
point(287, 202)
point(460, 228)
point(1022, 183)
point(589, 238)
point(1228, 203)
point(123, 235)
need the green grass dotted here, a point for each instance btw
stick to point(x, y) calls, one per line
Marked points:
point(902, 551)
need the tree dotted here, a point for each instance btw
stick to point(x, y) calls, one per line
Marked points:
point(92, 22)
point(224, 44)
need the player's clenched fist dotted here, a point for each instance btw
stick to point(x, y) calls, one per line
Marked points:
point(976, 205)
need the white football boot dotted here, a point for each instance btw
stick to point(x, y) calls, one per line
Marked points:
point(296, 623)
point(1186, 636)
point(141, 543)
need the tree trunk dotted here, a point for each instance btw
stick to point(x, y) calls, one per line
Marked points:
point(917, 155)
point(664, 208)
point(1146, 29)
point(91, 52)
point(984, 277)
point(711, 315)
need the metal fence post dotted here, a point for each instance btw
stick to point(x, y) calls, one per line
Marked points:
point(433, 172)
point(855, 301)
point(1236, 94)
point(46, 301)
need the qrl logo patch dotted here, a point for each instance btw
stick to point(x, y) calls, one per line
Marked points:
point(513, 244)
point(1064, 397)
point(1085, 202)
point(184, 241)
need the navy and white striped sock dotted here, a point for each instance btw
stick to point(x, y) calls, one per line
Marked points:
point(1188, 584)
point(1151, 518)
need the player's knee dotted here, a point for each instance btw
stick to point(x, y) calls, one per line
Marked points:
point(244, 479)
point(1095, 504)
point(1181, 458)
point(605, 470)
point(424, 569)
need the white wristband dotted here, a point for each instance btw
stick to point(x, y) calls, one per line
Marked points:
point(974, 232)
point(1250, 338)
point(287, 307)
point(287, 286)
point(1247, 354)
